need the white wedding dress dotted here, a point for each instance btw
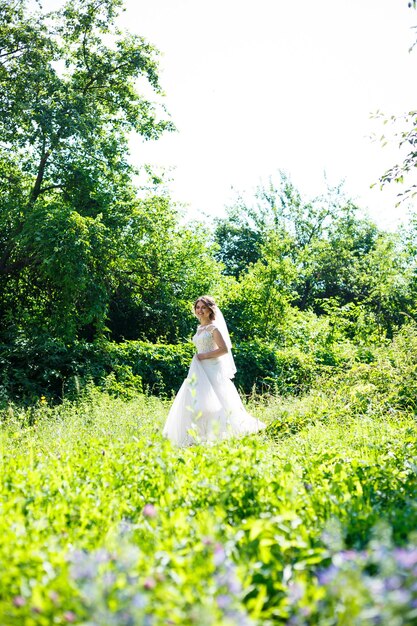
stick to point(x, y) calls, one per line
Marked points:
point(207, 406)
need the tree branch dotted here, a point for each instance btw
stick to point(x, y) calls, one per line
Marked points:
point(11, 52)
point(41, 172)
point(44, 189)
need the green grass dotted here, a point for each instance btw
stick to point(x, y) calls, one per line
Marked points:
point(103, 522)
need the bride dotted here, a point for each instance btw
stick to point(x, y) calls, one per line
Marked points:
point(207, 406)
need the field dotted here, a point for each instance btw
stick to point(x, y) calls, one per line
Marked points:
point(103, 522)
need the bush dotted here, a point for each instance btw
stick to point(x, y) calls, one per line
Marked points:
point(390, 380)
point(263, 366)
point(162, 367)
point(48, 367)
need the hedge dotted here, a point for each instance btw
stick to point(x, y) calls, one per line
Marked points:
point(31, 368)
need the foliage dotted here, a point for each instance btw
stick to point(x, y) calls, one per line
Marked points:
point(310, 256)
point(55, 369)
point(242, 532)
point(372, 586)
point(378, 382)
point(262, 367)
point(393, 374)
point(405, 135)
point(405, 132)
point(68, 100)
point(162, 277)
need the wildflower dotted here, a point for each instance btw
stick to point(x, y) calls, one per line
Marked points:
point(392, 583)
point(102, 556)
point(405, 558)
point(138, 601)
point(109, 579)
point(234, 585)
point(54, 596)
point(19, 601)
point(326, 576)
point(83, 565)
point(149, 583)
point(295, 592)
point(69, 616)
point(219, 555)
point(207, 541)
point(125, 527)
point(149, 510)
point(43, 400)
point(223, 601)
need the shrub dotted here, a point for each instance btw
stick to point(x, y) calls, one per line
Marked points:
point(43, 366)
point(263, 366)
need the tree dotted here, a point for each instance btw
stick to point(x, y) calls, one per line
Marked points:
point(403, 172)
point(407, 140)
point(316, 256)
point(69, 98)
point(173, 266)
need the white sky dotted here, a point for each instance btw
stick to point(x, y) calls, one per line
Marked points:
point(255, 86)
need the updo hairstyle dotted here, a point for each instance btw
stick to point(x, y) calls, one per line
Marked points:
point(210, 304)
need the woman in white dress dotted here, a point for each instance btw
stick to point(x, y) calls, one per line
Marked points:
point(207, 406)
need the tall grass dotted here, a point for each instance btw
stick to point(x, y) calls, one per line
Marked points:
point(104, 522)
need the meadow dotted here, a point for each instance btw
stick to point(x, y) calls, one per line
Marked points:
point(102, 521)
point(311, 522)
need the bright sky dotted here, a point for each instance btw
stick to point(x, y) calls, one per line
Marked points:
point(255, 86)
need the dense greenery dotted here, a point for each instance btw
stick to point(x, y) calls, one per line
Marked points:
point(323, 287)
point(311, 522)
point(70, 214)
point(89, 263)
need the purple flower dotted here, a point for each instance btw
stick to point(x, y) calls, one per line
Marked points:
point(401, 597)
point(149, 511)
point(125, 527)
point(376, 586)
point(83, 569)
point(19, 601)
point(101, 556)
point(149, 583)
point(219, 555)
point(234, 585)
point(69, 616)
point(223, 601)
point(207, 541)
point(54, 596)
point(327, 576)
point(109, 578)
point(295, 592)
point(392, 583)
point(138, 601)
point(348, 555)
point(405, 558)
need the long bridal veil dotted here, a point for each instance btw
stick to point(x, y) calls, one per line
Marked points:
point(228, 360)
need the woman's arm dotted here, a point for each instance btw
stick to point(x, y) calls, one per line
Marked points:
point(222, 349)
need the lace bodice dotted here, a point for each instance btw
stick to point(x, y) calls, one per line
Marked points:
point(203, 339)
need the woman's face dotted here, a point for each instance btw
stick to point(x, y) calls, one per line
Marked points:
point(202, 311)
